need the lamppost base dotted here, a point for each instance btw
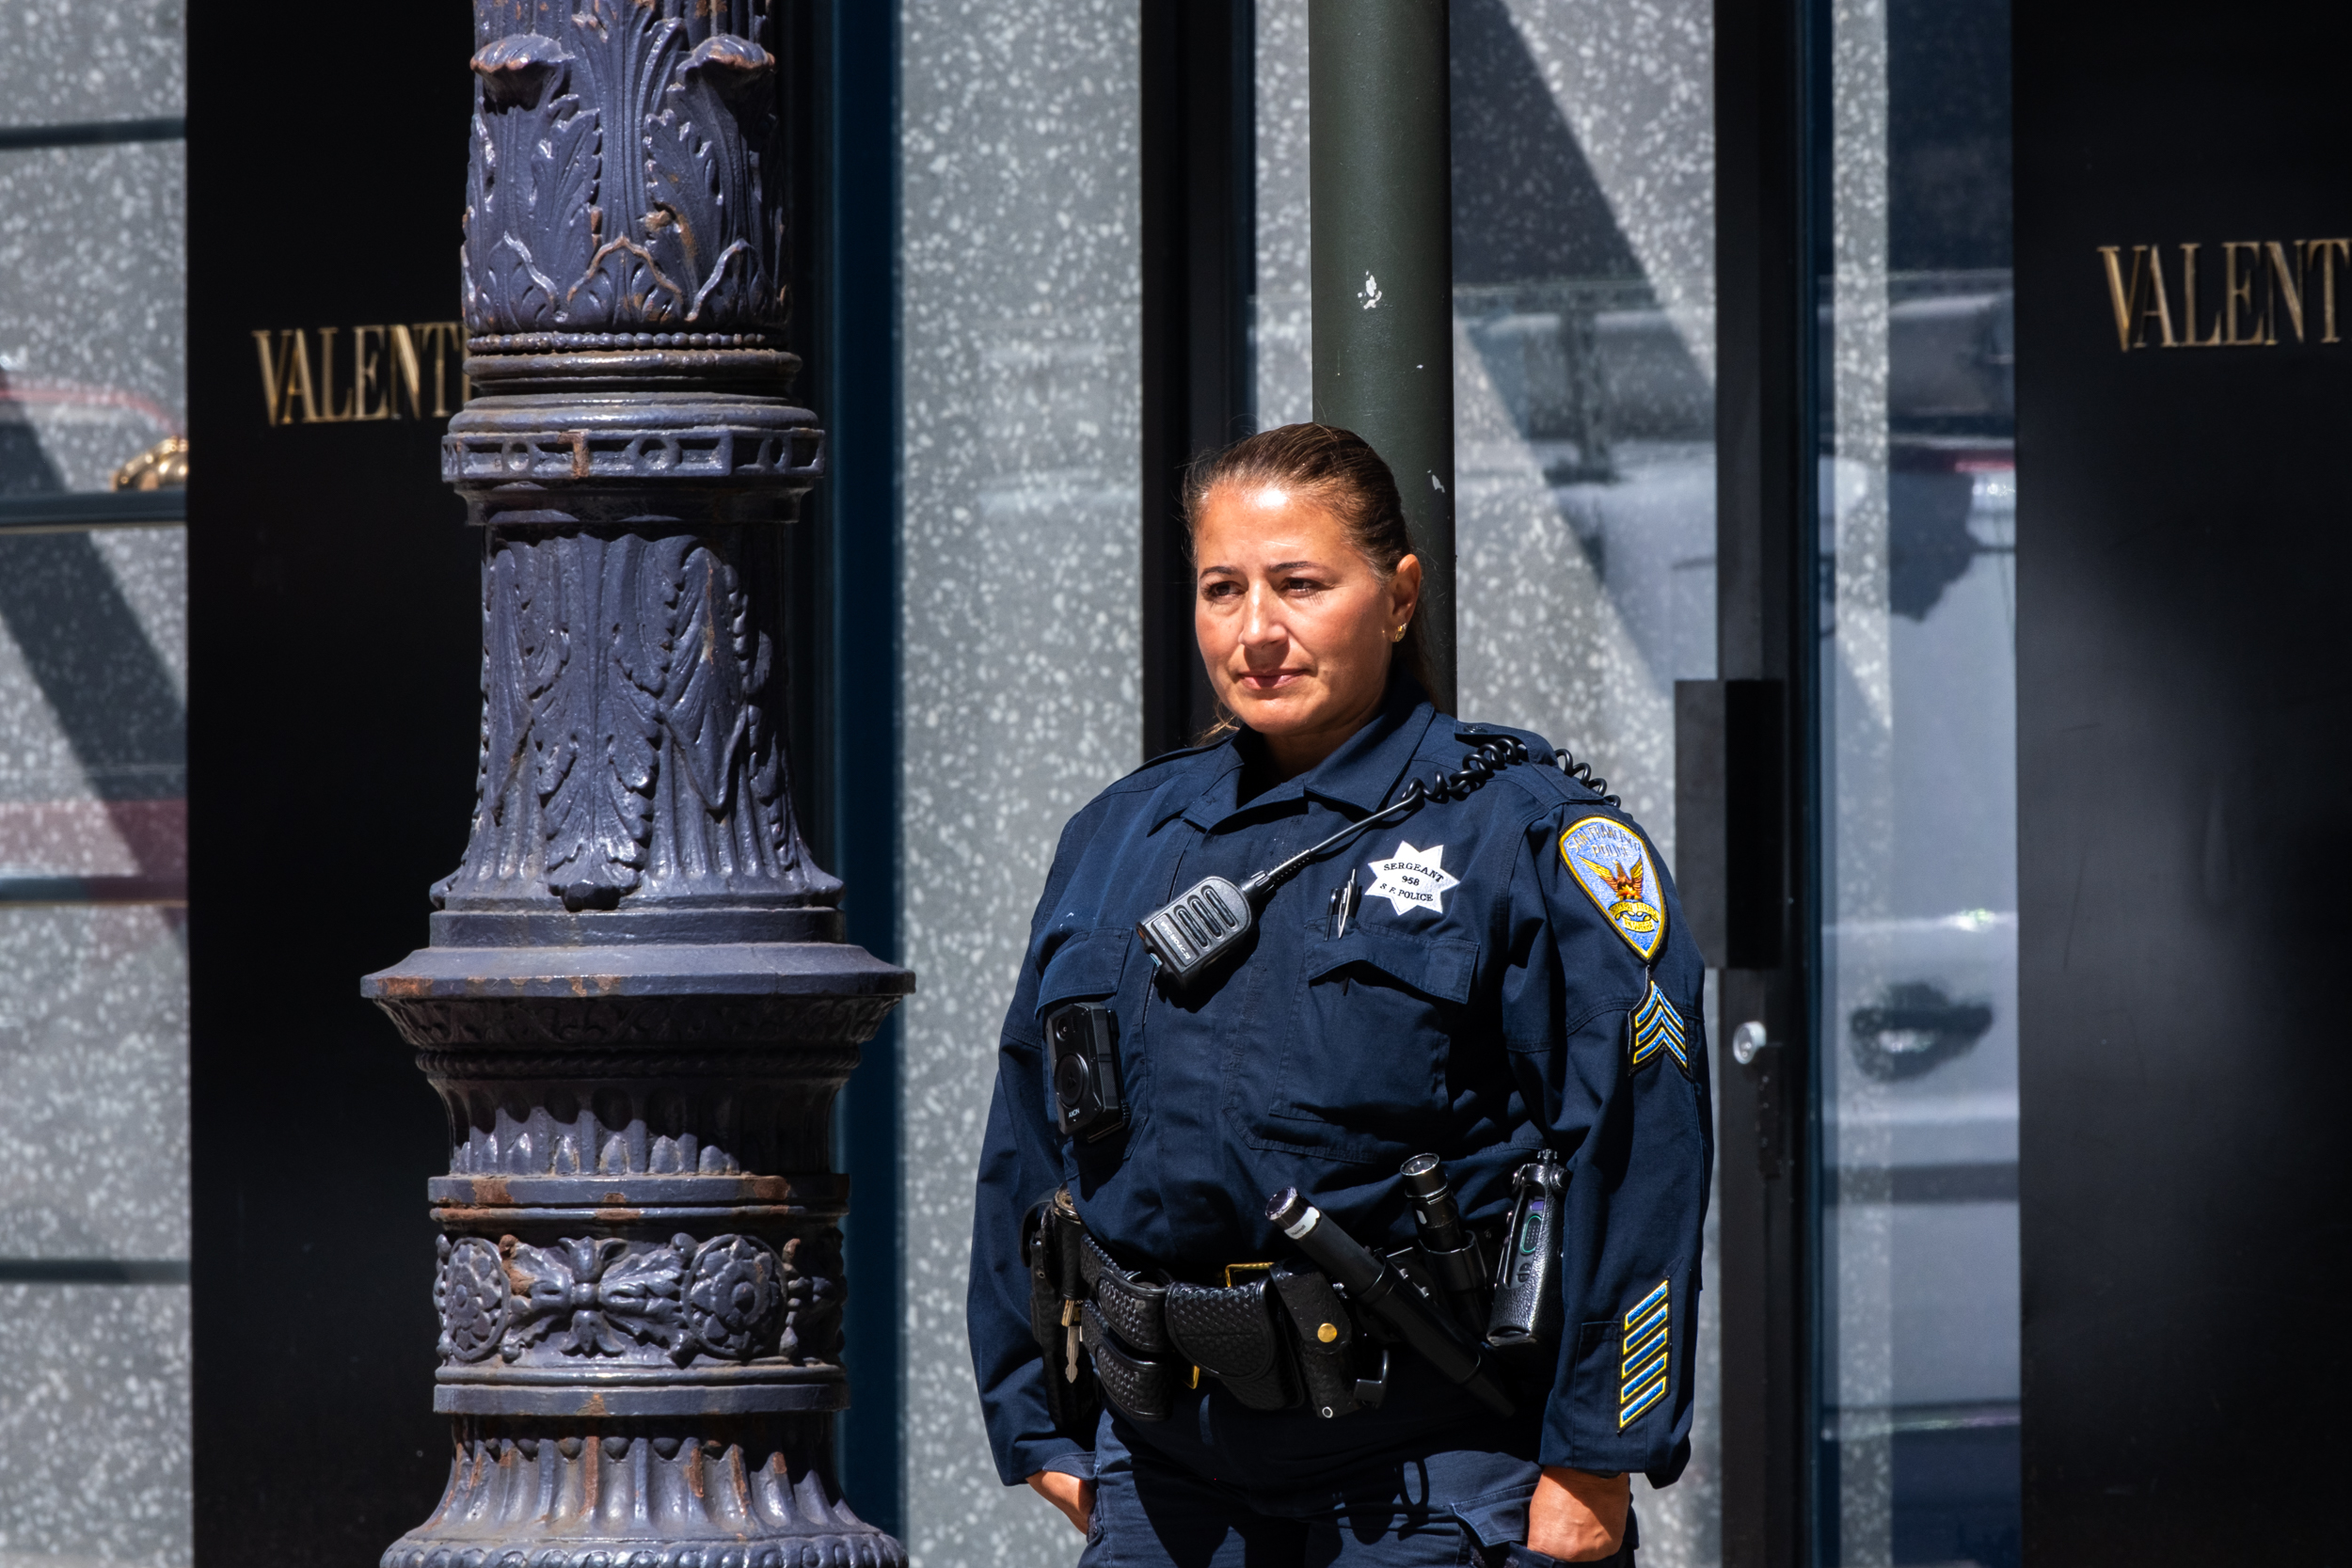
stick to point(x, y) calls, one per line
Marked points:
point(703, 1493)
point(640, 1286)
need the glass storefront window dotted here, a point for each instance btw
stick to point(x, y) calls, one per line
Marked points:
point(1584, 437)
point(1916, 1041)
point(1584, 412)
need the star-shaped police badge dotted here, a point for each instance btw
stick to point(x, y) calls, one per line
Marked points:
point(1412, 879)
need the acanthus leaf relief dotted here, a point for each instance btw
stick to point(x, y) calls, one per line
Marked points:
point(628, 746)
point(616, 172)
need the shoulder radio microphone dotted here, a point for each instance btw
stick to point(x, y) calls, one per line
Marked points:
point(1189, 934)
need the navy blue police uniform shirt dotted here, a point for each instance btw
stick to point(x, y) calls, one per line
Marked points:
point(1482, 1002)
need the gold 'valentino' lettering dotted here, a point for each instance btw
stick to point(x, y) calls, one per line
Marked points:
point(2332, 254)
point(2286, 288)
point(2237, 288)
point(395, 372)
point(2267, 287)
point(2188, 302)
point(2146, 283)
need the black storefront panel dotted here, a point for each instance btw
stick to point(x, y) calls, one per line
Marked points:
point(2183, 372)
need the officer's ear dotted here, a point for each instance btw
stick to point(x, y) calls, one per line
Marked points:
point(1403, 590)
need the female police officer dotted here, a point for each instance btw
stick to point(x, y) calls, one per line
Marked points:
point(1492, 967)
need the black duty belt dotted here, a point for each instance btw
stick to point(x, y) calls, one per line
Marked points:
point(1276, 1335)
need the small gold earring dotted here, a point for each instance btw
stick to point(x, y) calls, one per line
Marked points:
point(1398, 636)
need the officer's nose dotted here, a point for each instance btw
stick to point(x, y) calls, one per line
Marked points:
point(1262, 621)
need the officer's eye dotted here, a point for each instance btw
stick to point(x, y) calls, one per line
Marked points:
point(1220, 589)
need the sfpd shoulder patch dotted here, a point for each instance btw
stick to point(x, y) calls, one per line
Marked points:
point(1613, 867)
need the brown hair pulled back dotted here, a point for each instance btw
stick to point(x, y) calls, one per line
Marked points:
point(1339, 469)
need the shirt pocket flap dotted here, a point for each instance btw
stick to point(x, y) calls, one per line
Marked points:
point(1440, 968)
point(1085, 968)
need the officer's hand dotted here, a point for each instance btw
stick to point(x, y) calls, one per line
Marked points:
point(1076, 1497)
point(1575, 1515)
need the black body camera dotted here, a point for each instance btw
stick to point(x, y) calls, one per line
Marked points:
point(1082, 1070)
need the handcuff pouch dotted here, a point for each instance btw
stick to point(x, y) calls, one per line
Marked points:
point(1231, 1333)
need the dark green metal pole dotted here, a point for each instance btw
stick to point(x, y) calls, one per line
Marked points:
point(1382, 189)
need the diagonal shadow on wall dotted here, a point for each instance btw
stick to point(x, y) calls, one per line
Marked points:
point(100, 672)
point(1526, 203)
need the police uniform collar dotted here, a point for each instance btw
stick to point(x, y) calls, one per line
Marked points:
point(1358, 779)
point(1193, 777)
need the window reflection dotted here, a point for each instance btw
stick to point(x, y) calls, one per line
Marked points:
point(1584, 412)
point(1918, 1048)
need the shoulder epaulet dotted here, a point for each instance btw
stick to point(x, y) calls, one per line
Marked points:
point(1570, 778)
point(1470, 735)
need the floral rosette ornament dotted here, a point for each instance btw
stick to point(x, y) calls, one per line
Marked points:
point(733, 1299)
point(469, 1293)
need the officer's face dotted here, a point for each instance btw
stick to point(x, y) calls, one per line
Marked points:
point(1296, 626)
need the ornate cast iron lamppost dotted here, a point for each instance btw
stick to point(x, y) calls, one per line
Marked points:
point(637, 1004)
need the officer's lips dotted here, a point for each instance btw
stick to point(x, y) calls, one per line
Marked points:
point(1271, 680)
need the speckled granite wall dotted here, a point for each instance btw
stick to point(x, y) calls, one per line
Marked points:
point(1634, 81)
point(93, 311)
point(94, 1422)
point(125, 59)
point(94, 1378)
point(1020, 349)
point(1281, 324)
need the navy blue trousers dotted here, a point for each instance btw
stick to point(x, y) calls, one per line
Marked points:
point(1429, 1481)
